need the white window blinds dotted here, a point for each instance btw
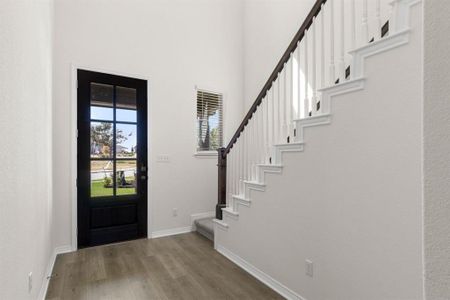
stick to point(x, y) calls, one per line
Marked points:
point(209, 121)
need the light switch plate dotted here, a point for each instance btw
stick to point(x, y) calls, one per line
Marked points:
point(162, 158)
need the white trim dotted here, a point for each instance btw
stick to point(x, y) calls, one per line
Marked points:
point(230, 212)
point(221, 224)
point(49, 270)
point(169, 232)
point(241, 200)
point(206, 154)
point(208, 214)
point(260, 275)
point(73, 143)
point(392, 41)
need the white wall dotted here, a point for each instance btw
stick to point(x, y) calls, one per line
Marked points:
point(269, 26)
point(352, 201)
point(176, 45)
point(25, 128)
point(436, 150)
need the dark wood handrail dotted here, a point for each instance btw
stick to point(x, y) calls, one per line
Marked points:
point(287, 54)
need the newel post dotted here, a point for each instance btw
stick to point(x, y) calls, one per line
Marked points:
point(222, 184)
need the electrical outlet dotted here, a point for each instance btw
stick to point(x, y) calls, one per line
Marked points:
point(309, 267)
point(175, 212)
point(30, 281)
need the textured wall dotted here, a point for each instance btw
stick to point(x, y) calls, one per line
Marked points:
point(25, 147)
point(437, 149)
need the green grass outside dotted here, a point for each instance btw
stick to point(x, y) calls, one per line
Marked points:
point(98, 189)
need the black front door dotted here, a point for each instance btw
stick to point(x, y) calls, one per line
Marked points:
point(112, 158)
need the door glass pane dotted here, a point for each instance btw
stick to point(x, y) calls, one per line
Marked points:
point(126, 177)
point(125, 104)
point(101, 140)
point(102, 101)
point(126, 141)
point(101, 178)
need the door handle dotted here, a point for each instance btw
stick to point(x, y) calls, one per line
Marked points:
point(143, 177)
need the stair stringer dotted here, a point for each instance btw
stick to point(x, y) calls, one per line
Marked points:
point(259, 183)
point(399, 37)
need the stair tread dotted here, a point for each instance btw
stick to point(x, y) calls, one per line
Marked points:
point(254, 182)
point(241, 197)
point(221, 223)
point(205, 224)
point(312, 117)
point(270, 165)
point(230, 210)
point(290, 144)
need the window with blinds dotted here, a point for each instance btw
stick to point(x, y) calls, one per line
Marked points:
point(209, 121)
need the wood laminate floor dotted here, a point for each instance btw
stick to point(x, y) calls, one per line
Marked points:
point(178, 267)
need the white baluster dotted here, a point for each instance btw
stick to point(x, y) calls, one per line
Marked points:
point(332, 67)
point(261, 133)
point(234, 153)
point(280, 109)
point(249, 152)
point(255, 142)
point(252, 147)
point(313, 69)
point(352, 34)
point(306, 73)
point(352, 24)
point(364, 25)
point(267, 126)
point(233, 173)
point(341, 61)
point(241, 163)
point(248, 137)
point(256, 132)
point(288, 96)
point(227, 182)
point(244, 162)
point(284, 101)
point(272, 114)
point(249, 157)
point(377, 19)
point(322, 47)
point(299, 84)
point(393, 17)
point(291, 92)
point(237, 167)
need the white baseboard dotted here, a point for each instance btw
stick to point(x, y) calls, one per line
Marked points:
point(208, 214)
point(49, 270)
point(168, 232)
point(260, 275)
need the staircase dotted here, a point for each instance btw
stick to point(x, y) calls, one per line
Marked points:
point(205, 227)
point(325, 59)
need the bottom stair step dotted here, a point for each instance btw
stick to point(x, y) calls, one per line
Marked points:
point(205, 227)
